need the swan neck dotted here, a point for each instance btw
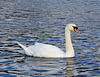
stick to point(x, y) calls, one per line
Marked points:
point(69, 47)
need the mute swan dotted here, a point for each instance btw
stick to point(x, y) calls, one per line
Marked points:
point(45, 50)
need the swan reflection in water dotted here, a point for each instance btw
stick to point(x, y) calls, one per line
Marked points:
point(70, 66)
point(49, 66)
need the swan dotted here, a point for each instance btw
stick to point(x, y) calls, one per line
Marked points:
point(50, 51)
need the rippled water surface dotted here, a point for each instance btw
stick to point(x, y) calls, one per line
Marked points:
point(44, 21)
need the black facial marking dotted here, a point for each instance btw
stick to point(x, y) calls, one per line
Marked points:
point(75, 27)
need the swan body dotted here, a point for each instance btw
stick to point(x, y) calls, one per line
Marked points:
point(50, 51)
point(43, 50)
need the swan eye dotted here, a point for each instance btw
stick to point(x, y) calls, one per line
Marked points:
point(75, 27)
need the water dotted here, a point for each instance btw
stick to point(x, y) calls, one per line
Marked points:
point(27, 21)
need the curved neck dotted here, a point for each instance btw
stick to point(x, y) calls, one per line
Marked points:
point(69, 47)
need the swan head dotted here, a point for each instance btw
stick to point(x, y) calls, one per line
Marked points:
point(72, 27)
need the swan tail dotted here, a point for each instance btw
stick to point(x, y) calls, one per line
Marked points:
point(27, 51)
point(22, 46)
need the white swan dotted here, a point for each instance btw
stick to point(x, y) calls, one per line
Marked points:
point(45, 50)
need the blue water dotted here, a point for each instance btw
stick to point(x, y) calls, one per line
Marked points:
point(44, 21)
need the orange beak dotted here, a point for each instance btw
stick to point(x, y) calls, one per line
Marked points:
point(76, 30)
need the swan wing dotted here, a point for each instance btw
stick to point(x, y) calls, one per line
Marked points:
point(43, 50)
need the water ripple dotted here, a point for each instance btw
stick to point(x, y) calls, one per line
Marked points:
point(44, 21)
